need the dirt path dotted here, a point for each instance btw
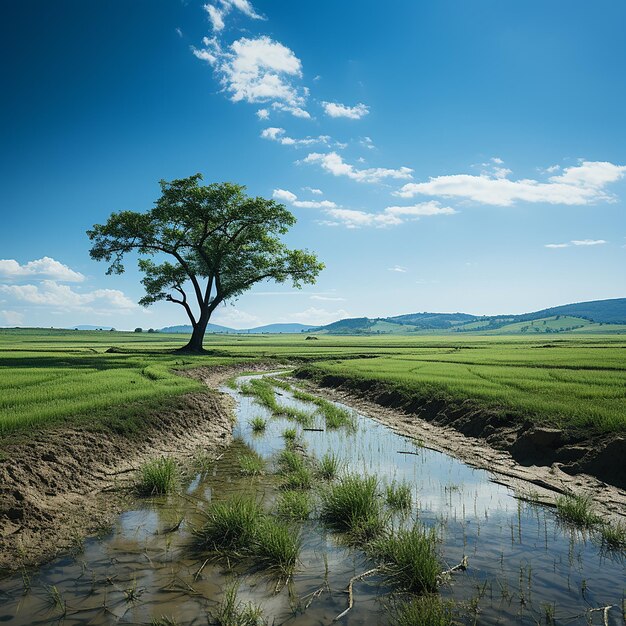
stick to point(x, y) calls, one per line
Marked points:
point(534, 482)
point(61, 484)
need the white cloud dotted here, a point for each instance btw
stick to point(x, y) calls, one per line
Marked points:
point(588, 242)
point(283, 195)
point(179, 32)
point(317, 317)
point(328, 298)
point(578, 185)
point(228, 315)
point(334, 163)
point(335, 109)
point(421, 209)
point(296, 111)
point(313, 190)
point(577, 242)
point(397, 268)
point(367, 142)
point(217, 14)
point(257, 70)
point(49, 293)
point(263, 114)
point(278, 134)
point(391, 216)
point(46, 267)
point(11, 318)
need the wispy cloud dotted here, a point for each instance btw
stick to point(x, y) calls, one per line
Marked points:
point(421, 209)
point(313, 190)
point(317, 317)
point(335, 109)
point(283, 195)
point(577, 185)
point(328, 298)
point(577, 242)
point(279, 135)
point(11, 318)
point(397, 268)
point(334, 163)
point(46, 267)
point(217, 12)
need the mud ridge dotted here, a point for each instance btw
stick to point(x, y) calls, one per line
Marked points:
point(63, 483)
point(538, 462)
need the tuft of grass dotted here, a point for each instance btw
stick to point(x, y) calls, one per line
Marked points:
point(352, 506)
point(294, 505)
point(258, 424)
point(614, 535)
point(398, 496)
point(577, 510)
point(410, 558)
point(329, 466)
point(334, 416)
point(158, 476)
point(233, 612)
point(304, 418)
point(290, 461)
point(276, 547)
point(290, 434)
point(301, 478)
point(230, 526)
point(251, 464)
point(429, 610)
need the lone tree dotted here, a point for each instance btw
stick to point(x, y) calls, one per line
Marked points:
point(203, 245)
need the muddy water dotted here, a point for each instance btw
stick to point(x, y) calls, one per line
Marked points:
point(523, 564)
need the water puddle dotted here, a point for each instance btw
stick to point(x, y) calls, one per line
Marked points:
point(524, 566)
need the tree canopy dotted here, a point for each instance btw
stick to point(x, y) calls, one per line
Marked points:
point(202, 245)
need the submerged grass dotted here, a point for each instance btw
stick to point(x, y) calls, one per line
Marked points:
point(294, 505)
point(233, 612)
point(577, 510)
point(352, 506)
point(398, 496)
point(428, 610)
point(614, 535)
point(158, 476)
point(410, 558)
point(251, 464)
point(290, 434)
point(290, 461)
point(239, 529)
point(329, 466)
point(334, 416)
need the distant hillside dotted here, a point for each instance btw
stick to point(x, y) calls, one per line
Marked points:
point(581, 317)
point(216, 328)
point(186, 328)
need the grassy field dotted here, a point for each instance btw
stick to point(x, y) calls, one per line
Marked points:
point(580, 381)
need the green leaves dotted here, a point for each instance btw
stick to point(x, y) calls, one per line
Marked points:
point(212, 241)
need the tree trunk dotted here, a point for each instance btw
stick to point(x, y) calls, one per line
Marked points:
point(197, 337)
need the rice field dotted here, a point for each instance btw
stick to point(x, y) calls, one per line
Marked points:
point(51, 375)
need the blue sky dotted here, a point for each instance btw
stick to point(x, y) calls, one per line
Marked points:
point(440, 156)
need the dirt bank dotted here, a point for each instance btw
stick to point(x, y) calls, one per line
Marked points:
point(538, 477)
point(61, 484)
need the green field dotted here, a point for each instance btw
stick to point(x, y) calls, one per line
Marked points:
point(52, 375)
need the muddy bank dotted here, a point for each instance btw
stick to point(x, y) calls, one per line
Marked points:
point(61, 484)
point(521, 455)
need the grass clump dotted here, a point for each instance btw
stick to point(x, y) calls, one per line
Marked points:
point(410, 558)
point(258, 424)
point(158, 476)
point(329, 466)
point(290, 435)
point(577, 510)
point(233, 612)
point(614, 535)
point(294, 505)
point(230, 526)
point(398, 496)
point(423, 611)
point(251, 464)
point(290, 461)
point(302, 479)
point(304, 418)
point(352, 506)
point(239, 529)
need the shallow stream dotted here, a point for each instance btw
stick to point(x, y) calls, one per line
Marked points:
point(525, 567)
